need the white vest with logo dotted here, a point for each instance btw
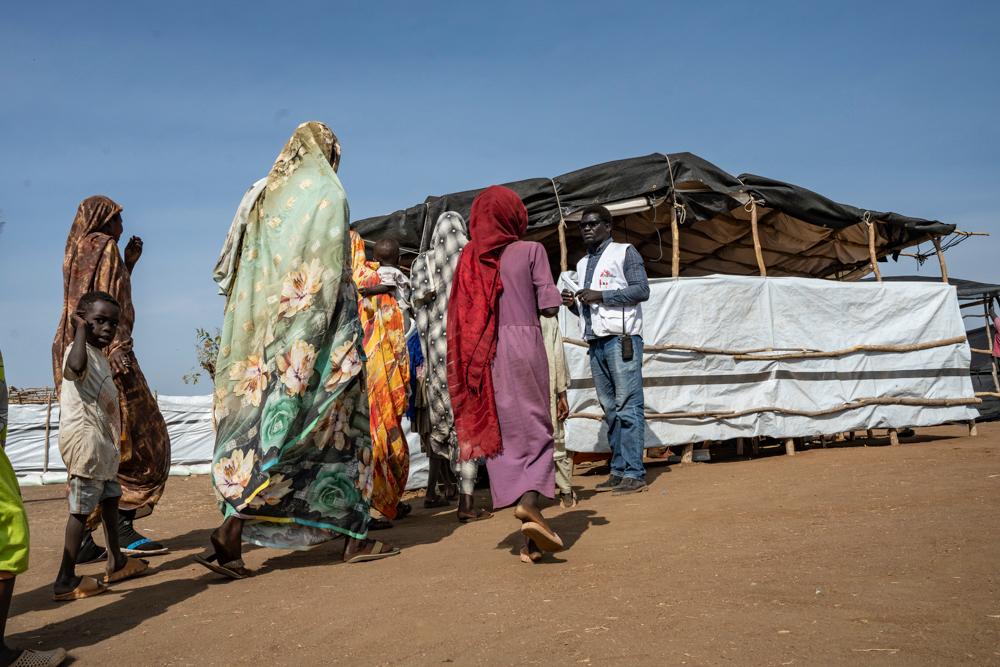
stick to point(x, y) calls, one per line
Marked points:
point(609, 274)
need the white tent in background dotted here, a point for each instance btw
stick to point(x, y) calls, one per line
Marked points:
point(189, 424)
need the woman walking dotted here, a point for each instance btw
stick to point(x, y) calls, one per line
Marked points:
point(92, 262)
point(497, 365)
point(292, 464)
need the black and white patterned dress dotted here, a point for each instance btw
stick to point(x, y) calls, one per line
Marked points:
point(430, 277)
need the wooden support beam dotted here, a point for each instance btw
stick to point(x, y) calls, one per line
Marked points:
point(790, 446)
point(675, 250)
point(739, 446)
point(687, 456)
point(873, 257)
point(893, 437)
point(940, 255)
point(756, 239)
point(973, 431)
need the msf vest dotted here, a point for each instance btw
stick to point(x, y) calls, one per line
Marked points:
point(609, 274)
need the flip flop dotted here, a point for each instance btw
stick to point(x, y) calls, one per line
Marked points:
point(379, 551)
point(234, 569)
point(480, 515)
point(132, 568)
point(135, 549)
point(543, 537)
point(87, 588)
point(530, 557)
point(29, 658)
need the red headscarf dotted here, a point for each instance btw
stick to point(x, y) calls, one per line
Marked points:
point(498, 219)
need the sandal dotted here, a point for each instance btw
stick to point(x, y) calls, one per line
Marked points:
point(379, 524)
point(545, 538)
point(530, 557)
point(87, 588)
point(234, 569)
point(480, 515)
point(378, 551)
point(132, 568)
point(29, 658)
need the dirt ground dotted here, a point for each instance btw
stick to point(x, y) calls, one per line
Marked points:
point(845, 555)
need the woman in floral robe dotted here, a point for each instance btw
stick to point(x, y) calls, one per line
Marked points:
point(292, 465)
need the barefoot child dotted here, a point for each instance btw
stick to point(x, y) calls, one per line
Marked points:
point(89, 433)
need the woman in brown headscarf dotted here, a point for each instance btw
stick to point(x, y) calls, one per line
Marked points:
point(93, 262)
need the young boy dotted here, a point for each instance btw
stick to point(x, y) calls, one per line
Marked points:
point(89, 433)
point(394, 281)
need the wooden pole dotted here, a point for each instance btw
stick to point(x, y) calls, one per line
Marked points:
point(687, 456)
point(675, 249)
point(893, 437)
point(790, 446)
point(940, 254)
point(756, 239)
point(563, 253)
point(739, 446)
point(973, 431)
point(871, 251)
point(48, 421)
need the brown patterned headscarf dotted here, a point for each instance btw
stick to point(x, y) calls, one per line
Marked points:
point(92, 262)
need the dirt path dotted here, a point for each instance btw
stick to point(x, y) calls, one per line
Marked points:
point(871, 555)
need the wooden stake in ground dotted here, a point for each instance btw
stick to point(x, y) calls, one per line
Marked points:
point(893, 437)
point(687, 456)
point(790, 446)
point(973, 431)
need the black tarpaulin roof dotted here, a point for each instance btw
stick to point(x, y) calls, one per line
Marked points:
point(802, 233)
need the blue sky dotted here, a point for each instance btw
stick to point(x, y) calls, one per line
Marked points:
point(173, 109)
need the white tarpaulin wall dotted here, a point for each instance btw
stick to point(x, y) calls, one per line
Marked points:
point(736, 313)
point(189, 424)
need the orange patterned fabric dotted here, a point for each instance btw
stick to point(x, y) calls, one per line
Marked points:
point(387, 376)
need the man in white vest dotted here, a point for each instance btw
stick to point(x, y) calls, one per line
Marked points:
point(614, 284)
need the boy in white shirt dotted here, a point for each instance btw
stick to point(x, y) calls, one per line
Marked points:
point(394, 281)
point(89, 433)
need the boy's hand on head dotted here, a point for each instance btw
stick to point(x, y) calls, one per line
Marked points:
point(79, 324)
point(119, 362)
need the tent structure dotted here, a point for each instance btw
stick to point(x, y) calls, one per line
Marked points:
point(975, 299)
point(688, 217)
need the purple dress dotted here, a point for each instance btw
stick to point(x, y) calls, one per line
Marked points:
point(521, 377)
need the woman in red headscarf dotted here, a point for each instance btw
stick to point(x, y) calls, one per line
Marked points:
point(497, 365)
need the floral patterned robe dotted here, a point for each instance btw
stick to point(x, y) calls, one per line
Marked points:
point(293, 453)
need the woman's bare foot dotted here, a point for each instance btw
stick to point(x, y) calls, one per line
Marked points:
point(227, 540)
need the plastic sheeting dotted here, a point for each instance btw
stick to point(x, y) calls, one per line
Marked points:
point(783, 314)
point(189, 424)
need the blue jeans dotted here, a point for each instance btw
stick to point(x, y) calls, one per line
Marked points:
point(619, 389)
